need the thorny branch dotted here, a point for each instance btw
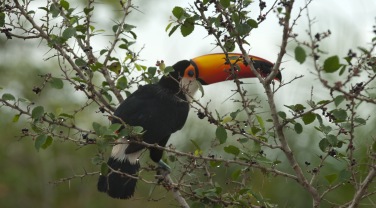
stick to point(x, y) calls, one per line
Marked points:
point(183, 188)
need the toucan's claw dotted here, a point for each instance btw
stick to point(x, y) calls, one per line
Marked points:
point(162, 171)
point(164, 166)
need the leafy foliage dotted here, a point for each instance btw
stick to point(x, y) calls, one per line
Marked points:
point(248, 141)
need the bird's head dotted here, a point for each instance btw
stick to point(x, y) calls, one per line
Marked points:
point(212, 68)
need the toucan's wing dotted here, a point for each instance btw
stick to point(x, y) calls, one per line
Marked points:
point(159, 112)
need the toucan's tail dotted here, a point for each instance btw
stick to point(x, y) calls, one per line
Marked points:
point(119, 185)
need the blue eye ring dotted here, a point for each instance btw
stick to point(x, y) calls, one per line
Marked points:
point(191, 73)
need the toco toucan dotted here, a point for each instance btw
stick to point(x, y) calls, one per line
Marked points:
point(162, 109)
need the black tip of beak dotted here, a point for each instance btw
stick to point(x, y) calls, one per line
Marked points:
point(279, 76)
point(202, 81)
point(266, 68)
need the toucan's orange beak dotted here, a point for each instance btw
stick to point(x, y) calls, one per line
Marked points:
point(213, 68)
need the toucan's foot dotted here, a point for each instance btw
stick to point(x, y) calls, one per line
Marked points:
point(164, 166)
point(162, 171)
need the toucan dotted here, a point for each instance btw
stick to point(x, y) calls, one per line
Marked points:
point(162, 109)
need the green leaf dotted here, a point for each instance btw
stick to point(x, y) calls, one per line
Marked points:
point(234, 114)
point(2, 19)
point(339, 114)
point(97, 128)
point(36, 128)
point(39, 141)
point(225, 3)
point(282, 114)
point(173, 30)
point(137, 130)
point(261, 122)
point(373, 148)
point(54, 10)
point(167, 70)
point(81, 28)
point(69, 32)
point(198, 151)
point(16, 118)
point(102, 145)
point(324, 144)
point(115, 67)
point(344, 175)
point(66, 115)
point(339, 99)
point(226, 119)
point(322, 102)
point(107, 96)
point(178, 12)
point(88, 10)
point(124, 132)
point(64, 4)
point(319, 119)
point(96, 66)
point(235, 17)
point(360, 121)
point(7, 96)
point(152, 71)
point(243, 29)
point(56, 83)
point(326, 129)
point(231, 149)
point(37, 112)
point(198, 205)
point(133, 35)
point(215, 164)
point(255, 130)
point(332, 139)
point(47, 143)
point(252, 23)
point(309, 118)
point(296, 108)
point(343, 68)
point(104, 168)
point(128, 27)
point(195, 144)
point(347, 126)
point(298, 128)
point(103, 51)
point(300, 54)
point(331, 177)
point(235, 175)
point(229, 45)
point(243, 140)
point(187, 27)
point(365, 51)
point(115, 28)
point(221, 134)
point(114, 127)
point(168, 26)
point(122, 83)
point(139, 67)
point(80, 62)
point(331, 64)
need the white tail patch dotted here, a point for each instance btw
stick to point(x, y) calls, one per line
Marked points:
point(118, 152)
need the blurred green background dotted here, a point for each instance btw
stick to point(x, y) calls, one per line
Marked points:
point(27, 176)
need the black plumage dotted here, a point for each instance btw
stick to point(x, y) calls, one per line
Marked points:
point(161, 109)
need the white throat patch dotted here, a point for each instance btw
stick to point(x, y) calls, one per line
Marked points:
point(189, 87)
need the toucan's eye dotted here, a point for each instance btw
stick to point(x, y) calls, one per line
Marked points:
point(191, 73)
